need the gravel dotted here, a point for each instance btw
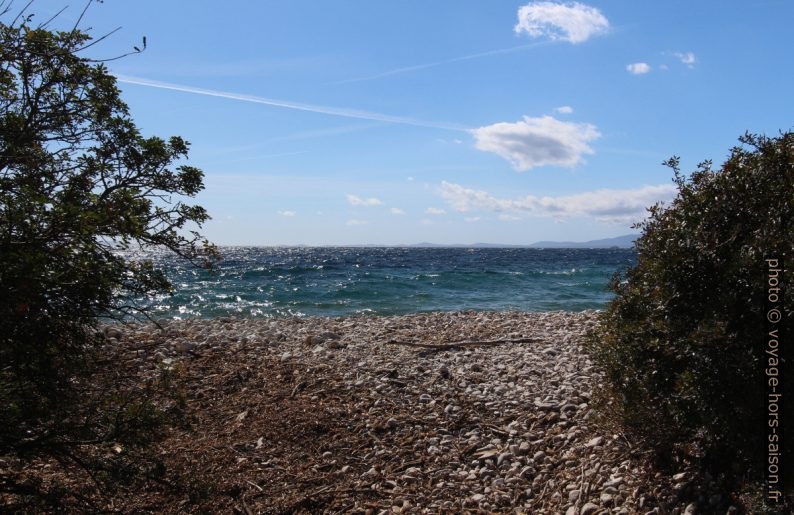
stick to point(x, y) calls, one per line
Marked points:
point(426, 412)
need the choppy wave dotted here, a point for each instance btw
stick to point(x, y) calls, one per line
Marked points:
point(330, 281)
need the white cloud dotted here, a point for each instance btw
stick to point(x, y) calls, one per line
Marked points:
point(605, 205)
point(664, 67)
point(410, 179)
point(435, 211)
point(535, 142)
point(638, 68)
point(688, 58)
point(564, 109)
point(471, 219)
point(426, 221)
point(572, 21)
point(288, 214)
point(354, 221)
point(358, 201)
point(396, 211)
point(504, 217)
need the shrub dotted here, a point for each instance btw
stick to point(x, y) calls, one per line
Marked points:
point(78, 182)
point(682, 343)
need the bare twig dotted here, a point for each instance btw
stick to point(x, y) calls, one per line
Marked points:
point(467, 343)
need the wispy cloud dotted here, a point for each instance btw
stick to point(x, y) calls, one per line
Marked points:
point(332, 111)
point(534, 142)
point(424, 66)
point(396, 211)
point(354, 222)
point(472, 219)
point(638, 68)
point(688, 58)
point(435, 211)
point(330, 131)
point(358, 201)
point(605, 205)
point(564, 109)
point(572, 21)
point(287, 213)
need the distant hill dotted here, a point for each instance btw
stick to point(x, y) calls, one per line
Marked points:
point(624, 242)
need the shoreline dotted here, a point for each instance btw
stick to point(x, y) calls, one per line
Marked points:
point(348, 413)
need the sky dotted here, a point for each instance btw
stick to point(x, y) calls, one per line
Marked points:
point(345, 122)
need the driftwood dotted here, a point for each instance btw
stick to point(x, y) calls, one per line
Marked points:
point(466, 343)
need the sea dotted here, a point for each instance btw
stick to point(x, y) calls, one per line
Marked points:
point(332, 281)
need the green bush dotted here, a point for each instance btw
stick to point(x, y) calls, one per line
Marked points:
point(682, 343)
point(78, 182)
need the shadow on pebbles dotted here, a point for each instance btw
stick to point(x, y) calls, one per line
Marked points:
point(365, 414)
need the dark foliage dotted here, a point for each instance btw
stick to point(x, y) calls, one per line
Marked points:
point(78, 182)
point(683, 342)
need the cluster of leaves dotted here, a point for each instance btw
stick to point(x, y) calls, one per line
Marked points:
point(683, 342)
point(78, 183)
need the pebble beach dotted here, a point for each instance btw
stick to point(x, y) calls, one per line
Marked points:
point(422, 413)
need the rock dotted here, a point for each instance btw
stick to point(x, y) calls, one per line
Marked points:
point(678, 478)
point(691, 509)
point(524, 448)
point(595, 442)
point(392, 423)
point(112, 332)
point(538, 456)
point(607, 499)
point(573, 495)
point(571, 510)
point(183, 346)
point(425, 398)
point(589, 509)
point(477, 498)
point(286, 356)
point(370, 474)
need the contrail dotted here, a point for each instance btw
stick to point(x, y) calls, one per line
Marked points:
point(333, 111)
point(416, 67)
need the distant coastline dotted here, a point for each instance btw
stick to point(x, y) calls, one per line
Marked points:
point(625, 241)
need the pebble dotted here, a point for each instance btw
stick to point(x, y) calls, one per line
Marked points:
point(598, 440)
point(521, 412)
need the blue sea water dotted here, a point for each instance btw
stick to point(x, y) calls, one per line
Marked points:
point(330, 281)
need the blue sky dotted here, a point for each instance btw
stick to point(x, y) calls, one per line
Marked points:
point(353, 122)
